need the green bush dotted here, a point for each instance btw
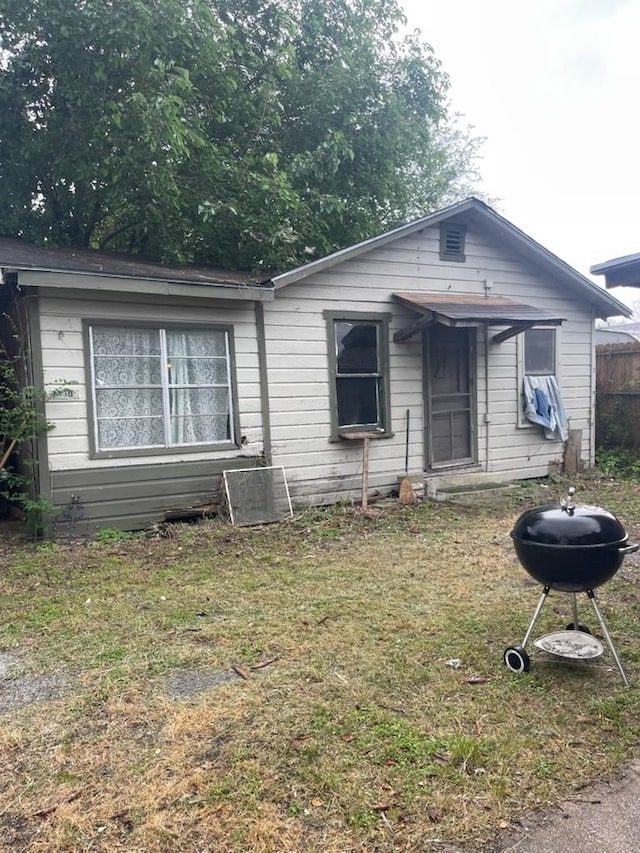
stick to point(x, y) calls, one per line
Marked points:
point(618, 464)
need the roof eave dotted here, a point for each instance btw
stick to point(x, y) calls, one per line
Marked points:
point(329, 261)
point(120, 283)
point(604, 304)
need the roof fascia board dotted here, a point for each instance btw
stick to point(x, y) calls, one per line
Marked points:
point(155, 287)
point(329, 261)
point(594, 292)
point(616, 263)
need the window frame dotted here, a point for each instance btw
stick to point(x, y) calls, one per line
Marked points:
point(96, 452)
point(523, 422)
point(382, 320)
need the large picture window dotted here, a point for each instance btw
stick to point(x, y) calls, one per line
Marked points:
point(359, 366)
point(160, 387)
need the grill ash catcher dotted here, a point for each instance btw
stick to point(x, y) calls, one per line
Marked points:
point(571, 548)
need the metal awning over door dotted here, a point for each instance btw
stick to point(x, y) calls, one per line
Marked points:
point(465, 310)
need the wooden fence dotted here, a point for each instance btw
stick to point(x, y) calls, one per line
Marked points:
point(618, 396)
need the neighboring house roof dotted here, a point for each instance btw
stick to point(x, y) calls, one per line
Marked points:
point(475, 211)
point(616, 335)
point(624, 271)
point(16, 255)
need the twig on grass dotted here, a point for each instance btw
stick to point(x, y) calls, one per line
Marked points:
point(52, 808)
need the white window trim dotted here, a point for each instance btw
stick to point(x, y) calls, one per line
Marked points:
point(522, 422)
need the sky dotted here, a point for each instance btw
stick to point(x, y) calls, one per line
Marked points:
point(554, 87)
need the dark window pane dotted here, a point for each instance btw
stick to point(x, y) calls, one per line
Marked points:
point(539, 351)
point(358, 402)
point(357, 347)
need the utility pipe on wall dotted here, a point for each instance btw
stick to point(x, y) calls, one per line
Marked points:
point(487, 411)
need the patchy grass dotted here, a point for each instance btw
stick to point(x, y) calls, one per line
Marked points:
point(338, 722)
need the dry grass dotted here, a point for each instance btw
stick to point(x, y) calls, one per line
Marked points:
point(349, 730)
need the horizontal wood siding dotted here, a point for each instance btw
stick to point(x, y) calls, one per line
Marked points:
point(323, 471)
point(134, 491)
point(90, 499)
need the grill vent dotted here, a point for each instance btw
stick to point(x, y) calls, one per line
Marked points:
point(452, 239)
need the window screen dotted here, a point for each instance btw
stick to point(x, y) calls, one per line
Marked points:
point(540, 352)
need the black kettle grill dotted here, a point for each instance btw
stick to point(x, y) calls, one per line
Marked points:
point(571, 548)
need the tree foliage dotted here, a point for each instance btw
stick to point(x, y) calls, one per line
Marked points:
point(236, 132)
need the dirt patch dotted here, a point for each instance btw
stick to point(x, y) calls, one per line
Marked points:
point(185, 685)
point(17, 690)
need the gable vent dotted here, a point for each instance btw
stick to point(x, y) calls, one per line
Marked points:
point(452, 239)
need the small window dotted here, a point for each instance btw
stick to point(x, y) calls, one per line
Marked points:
point(540, 352)
point(452, 240)
point(160, 388)
point(359, 364)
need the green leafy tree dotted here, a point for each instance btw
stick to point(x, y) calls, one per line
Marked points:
point(240, 133)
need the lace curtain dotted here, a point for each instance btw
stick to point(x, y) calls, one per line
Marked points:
point(196, 361)
point(157, 388)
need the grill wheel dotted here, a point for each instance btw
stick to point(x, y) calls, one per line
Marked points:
point(516, 659)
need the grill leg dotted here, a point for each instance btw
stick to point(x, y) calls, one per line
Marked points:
point(575, 611)
point(543, 598)
point(605, 631)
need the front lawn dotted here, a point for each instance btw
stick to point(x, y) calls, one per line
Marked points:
point(332, 683)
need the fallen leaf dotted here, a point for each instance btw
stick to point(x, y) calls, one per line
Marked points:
point(316, 803)
point(241, 672)
point(433, 814)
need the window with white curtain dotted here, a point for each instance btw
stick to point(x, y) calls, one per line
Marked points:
point(160, 387)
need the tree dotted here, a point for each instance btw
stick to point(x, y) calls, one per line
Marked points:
point(236, 132)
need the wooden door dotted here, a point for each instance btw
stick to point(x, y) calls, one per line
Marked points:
point(449, 398)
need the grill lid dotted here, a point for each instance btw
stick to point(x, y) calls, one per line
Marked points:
point(573, 525)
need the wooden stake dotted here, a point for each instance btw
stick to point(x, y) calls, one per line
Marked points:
point(365, 472)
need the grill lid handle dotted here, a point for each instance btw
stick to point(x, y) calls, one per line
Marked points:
point(567, 503)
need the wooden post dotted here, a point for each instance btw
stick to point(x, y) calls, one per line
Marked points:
point(365, 472)
point(365, 438)
point(573, 453)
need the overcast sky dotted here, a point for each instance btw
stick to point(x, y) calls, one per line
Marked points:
point(554, 86)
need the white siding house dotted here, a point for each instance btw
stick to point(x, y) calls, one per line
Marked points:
point(466, 426)
point(160, 378)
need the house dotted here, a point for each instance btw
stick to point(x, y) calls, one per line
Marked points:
point(620, 272)
point(618, 334)
point(154, 378)
point(429, 341)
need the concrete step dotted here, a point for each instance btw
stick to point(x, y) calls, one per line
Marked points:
point(477, 494)
point(465, 486)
